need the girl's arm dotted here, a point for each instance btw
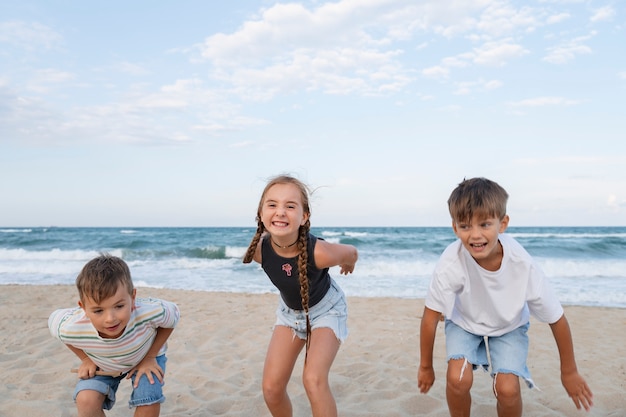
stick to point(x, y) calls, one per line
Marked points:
point(573, 382)
point(329, 254)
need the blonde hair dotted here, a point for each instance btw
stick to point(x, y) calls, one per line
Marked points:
point(101, 277)
point(477, 196)
point(303, 234)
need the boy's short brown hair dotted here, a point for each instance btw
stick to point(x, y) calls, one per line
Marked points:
point(477, 196)
point(100, 278)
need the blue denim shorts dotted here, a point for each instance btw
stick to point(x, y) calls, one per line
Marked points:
point(507, 353)
point(145, 393)
point(331, 312)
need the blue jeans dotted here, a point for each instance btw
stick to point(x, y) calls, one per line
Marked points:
point(145, 393)
point(331, 312)
point(508, 352)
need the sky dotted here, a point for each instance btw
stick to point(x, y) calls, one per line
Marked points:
point(162, 113)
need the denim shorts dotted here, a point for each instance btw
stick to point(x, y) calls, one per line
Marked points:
point(507, 353)
point(145, 393)
point(331, 312)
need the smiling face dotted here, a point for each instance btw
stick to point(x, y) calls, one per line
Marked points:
point(111, 315)
point(480, 237)
point(283, 212)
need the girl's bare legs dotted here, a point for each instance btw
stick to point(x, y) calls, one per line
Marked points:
point(508, 394)
point(322, 351)
point(459, 382)
point(281, 357)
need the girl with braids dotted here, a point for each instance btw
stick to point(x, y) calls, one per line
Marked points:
point(312, 309)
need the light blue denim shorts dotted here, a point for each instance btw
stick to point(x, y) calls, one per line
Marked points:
point(507, 353)
point(331, 312)
point(145, 393)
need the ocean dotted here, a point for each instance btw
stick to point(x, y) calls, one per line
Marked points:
point(586, 265)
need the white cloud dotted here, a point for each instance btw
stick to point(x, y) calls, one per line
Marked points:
point(567, 51)
point(464, 88)
point(29, 35)
point(131, 68)
point(544, 101)
point(437, 72)
point(498, 53)
point(603, 13)
point(557, 18)
point(44, 80)
point(502, 19)
point(347, 47)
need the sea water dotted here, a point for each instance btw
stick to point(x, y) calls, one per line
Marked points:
point(586, 265)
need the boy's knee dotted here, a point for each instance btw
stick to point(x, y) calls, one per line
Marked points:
point(89, 402)
point(506, 386)
point(459, 386)
point(459, 375)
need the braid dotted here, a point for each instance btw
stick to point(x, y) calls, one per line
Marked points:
point(303, 260)
point(255, 241)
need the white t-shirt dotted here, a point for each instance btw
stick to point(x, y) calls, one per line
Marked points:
point(491, 303)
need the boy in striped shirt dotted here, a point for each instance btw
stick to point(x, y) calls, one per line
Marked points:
point(116, 334)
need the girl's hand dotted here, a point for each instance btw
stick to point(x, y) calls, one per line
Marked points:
point(346, 269)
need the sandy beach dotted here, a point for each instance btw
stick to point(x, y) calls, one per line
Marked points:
point(216, 357)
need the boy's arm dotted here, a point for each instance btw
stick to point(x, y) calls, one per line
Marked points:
point(87, 368)
point(428, 330)
point(573, 382)
point(148, 365)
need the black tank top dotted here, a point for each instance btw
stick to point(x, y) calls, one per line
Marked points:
point(283, 272)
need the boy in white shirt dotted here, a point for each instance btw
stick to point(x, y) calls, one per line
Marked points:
point(486, 286)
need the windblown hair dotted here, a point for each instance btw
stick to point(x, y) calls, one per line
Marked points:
point(100, 278)
point(303, 254)
point(477, 196)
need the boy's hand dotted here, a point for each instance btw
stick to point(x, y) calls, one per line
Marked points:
point(87, 369)
point(148, 367)
point(578, 390)
point(425, 378)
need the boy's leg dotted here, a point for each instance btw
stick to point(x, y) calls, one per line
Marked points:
point(147, 397)
point(152, 410)
point(508, 361)
point(95, 394)
point(89, 403)
point(458, 385)
point(465, 352)
point(508, 395)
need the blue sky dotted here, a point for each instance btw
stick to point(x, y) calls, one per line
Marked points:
point(154, 113)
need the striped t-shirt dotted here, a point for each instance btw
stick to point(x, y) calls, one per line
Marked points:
point(72, 327)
